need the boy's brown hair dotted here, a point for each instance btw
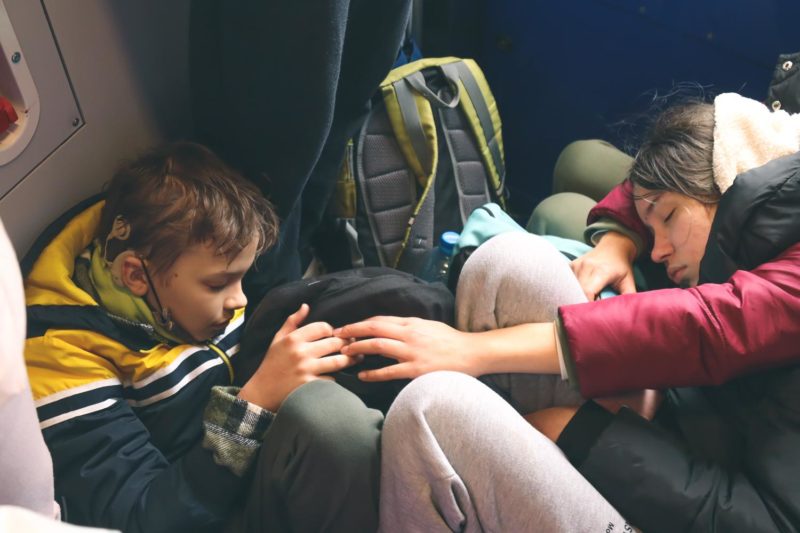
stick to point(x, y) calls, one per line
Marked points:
point(181, 194)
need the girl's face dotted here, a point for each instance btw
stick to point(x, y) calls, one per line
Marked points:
point(202, 289)
point(680, 227)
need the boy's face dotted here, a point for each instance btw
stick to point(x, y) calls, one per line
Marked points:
point(680, 227)
point(202, 289)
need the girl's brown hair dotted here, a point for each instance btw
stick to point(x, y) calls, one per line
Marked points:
point(182, 194)
point(677, 154)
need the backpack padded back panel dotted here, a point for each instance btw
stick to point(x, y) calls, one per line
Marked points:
point(387, 190)
point(473, 181)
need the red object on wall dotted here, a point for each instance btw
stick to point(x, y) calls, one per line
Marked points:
point(8, 115)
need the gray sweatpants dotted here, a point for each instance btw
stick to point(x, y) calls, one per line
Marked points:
point(456, 456)
point(517, 278)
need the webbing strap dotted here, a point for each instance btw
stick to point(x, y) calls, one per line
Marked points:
point(413, 125)
point(457, 177)
point(356, 257)
point(419, 233)
point(417, 81)
point(484, 117)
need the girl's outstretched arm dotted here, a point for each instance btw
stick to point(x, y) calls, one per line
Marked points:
point(421, 346)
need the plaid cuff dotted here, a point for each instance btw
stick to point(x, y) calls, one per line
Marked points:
point(234, 429)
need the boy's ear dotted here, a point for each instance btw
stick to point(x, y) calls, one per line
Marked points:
point(132, 274)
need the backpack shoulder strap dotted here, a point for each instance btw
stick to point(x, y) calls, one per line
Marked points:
point(408, 104)
point(480, 107)
point(414, 125)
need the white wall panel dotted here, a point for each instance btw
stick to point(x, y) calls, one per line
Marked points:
point(127, 63)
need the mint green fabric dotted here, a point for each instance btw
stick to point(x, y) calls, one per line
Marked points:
point(594, 231)
point(484, 223)
point(118, 300)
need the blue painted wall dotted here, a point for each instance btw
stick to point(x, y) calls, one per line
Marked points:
point(572, 69)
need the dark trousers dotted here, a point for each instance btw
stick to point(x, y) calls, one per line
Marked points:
point(278, 88)
point(318, 469)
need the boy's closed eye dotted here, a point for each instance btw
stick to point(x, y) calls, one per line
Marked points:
point(220, 282)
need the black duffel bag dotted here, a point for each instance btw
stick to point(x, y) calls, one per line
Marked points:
point(341, 298)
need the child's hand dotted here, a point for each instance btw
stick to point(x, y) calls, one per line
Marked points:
point(419, 346)
point(296, 356)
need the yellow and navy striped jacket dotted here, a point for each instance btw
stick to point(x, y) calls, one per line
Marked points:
point(122, 412)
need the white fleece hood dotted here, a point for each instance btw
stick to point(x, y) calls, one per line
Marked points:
point(747, 134)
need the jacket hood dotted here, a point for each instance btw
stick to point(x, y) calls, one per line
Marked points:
point(54, 300)
point(50, 279)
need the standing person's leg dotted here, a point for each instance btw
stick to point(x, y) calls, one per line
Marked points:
point(278, 88)
point(517, 278)
point(375, 32)
point(456, 457)
point(318, 469)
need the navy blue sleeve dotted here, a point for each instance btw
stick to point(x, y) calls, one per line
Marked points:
point(108, 473)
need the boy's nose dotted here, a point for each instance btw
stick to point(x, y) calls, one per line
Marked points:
point(236, 299)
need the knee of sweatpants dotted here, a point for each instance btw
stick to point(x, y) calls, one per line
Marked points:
point(428, 398)
point(507, 255)
point(485, 260)
point(512, 278)
point(591, 167)
point(329, 425)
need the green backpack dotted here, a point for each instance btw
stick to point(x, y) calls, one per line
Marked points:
point(429, 153)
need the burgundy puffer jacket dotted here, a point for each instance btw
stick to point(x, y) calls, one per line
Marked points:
point(724, 451)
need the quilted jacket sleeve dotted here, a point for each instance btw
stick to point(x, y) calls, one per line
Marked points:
point(109, 473)
point(706, 335)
